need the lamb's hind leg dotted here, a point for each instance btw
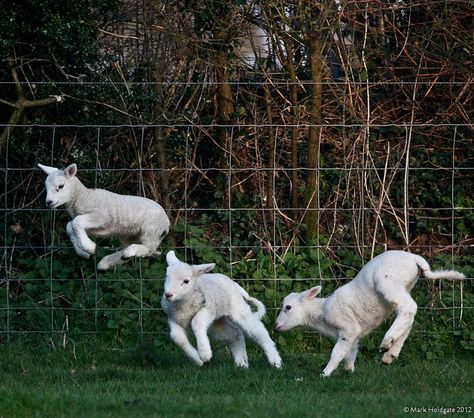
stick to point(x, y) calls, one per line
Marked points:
point(137, 250)
point(394, 351)
point(406, 309)
point(229, 333)
point(144, 246)
point(255, 330)
point(111, 260)
point(114, 259)
point(239, 351)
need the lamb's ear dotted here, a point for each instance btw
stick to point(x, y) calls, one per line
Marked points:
point(311, 293)
point(202, 269)
point(47, 169)
point(171, 258)
point(70, 170)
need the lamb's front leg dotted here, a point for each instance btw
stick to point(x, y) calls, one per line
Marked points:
point(200, 325)
point(75, 241)
point(351, 357)
point(344, 345)
point(179, 337)
point(76, 229)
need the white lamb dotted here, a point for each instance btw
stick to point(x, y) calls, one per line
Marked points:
point(194, 300)
point(139, 223)
point(355, 309)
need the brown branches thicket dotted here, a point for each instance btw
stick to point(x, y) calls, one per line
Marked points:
point(319, 128)
point(21, 104)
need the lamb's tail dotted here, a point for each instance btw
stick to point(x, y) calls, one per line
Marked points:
point(440, 274)
point(260, 312)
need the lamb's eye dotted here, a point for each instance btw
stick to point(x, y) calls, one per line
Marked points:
point(287, 307)
point(185, 281)
point(59, 187)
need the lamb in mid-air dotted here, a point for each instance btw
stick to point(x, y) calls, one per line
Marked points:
point(358, 307)
point(201, 302)
point(139, 223)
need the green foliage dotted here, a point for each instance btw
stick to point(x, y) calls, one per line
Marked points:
point(466, 338)
point(64, 32)
point(61, 289)
point(50, 296)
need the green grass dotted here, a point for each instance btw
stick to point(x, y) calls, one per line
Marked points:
point(92, 379)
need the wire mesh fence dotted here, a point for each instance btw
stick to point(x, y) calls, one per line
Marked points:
point(378, 186)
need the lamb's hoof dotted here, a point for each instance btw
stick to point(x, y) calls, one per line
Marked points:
point(388, 358)
point(386, 345)
point(242, 365)
point(198, 362)
point(205, 356)
point(103, 265)
point(81, 252)
point(129, 252)
point(277, 363)
point(349, 368)
point(325, 374)
point(91, 248)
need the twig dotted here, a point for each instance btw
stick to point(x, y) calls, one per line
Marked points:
point(21, 104)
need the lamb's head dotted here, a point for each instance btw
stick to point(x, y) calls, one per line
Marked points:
point(59, 185)
point(293, 311)
point(181, 278)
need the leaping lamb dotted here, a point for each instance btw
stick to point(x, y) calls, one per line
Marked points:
point(355, 309)
point(214, 303)
point(139, 223)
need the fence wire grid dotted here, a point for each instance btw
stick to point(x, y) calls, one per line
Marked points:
point(381, 194)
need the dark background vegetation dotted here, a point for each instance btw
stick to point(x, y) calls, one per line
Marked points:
point(352, 135)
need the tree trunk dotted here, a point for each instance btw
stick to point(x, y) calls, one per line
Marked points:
point(294, 130)
point(311, 189)
point(225, 109)
point(270, 151)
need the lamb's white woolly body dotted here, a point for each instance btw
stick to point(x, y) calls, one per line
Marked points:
point(212, 291)
point(139, 223)
point(355, 309)
point(182, 312)
point(200, 302)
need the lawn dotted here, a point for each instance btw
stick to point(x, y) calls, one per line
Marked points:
point(92, 379)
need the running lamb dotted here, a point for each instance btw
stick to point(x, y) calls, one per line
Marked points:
point(355, 309)
point(201, 302)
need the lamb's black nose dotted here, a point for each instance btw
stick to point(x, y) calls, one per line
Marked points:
point(49, 203)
